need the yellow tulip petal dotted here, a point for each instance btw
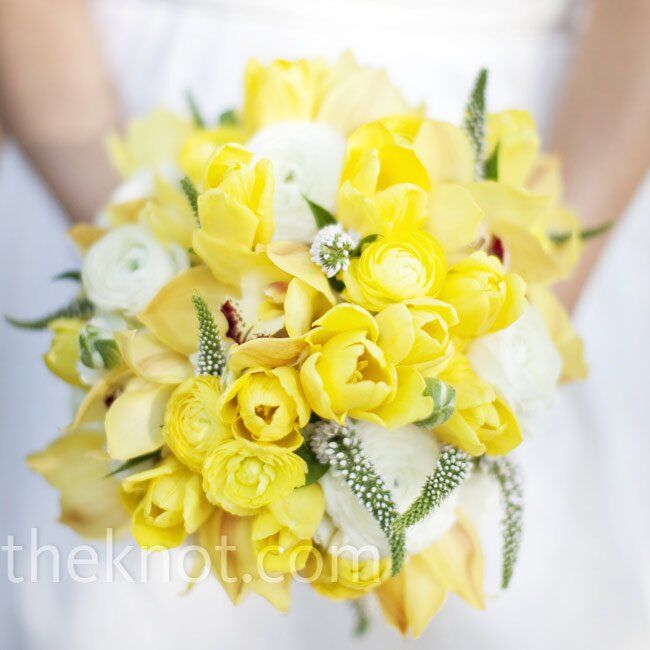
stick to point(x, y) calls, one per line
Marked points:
point(302, 306)
point(396, 332)
point(84, 235)
point(409, 404)
point(63, 356)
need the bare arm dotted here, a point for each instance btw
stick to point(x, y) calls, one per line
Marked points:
point(55, 98)
point(602, 125)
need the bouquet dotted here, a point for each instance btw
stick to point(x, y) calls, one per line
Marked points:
point(316, 328)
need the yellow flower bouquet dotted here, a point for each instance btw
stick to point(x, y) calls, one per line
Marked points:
point(316, 328)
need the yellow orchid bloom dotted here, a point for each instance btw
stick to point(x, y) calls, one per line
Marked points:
point(149, 141)
point(454, 563)
point(525, 222)
point(77, 465)
point(282, 532)
point(482, 422)
point(166, 502)
point(63, 356)
point(565, 338)
point(228, 541)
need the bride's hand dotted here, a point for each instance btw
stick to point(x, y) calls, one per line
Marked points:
point(602, 123)
point(55, 98)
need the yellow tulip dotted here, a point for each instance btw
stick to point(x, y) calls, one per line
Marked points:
point(454, 563)
point(63, 356)
point(149, 141)
point(340, 577)
point(398, 267)
point(485, 297)
point(515, 135)
point(242, 477)
point(228, 541)
point(282, 531)
point(482, 422)
point(417, 334)
point(200, 146)
point(167, 504)
point(266, 407)
point(192, 421)
point(76, 464)
point(348, 374)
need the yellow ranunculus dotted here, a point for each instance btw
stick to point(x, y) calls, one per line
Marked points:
point(201, 145)
point(267, 407)
point(417, 334)
point(167, 503)
point(485, 297)
point(349, 374)
point(283, 530)
point(454, 563)
point(63, 356)
point(242, 477)
point(192, 421)
point(398, 267)
point(482, 421)
point(340, 577)
point(514, 133)
point(77, 464)
point(149, 141)
point(235, 211)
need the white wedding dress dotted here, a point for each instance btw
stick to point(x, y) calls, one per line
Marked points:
point(582, 581)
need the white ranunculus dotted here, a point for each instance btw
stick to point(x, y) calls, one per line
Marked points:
point(522, 363)
point(307, 160)
point(125, 269)
point(404, 457)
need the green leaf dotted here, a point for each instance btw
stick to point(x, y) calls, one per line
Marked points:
point(78, 308)
point(588, 233)
point(322, 217)
point(491, 166)
point(197, 118)
point(507, 476)
point(68, 275)
point(368, 239)
point(212, 352)
point(339, 446)
point(192, 195)
point(134, 462)
point(444, 402)
point(474, 120)
point(228, 118)
point(361, 616)
point(337, 285)
point(315, 469)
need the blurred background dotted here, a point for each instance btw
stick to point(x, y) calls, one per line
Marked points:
point(72, 70)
